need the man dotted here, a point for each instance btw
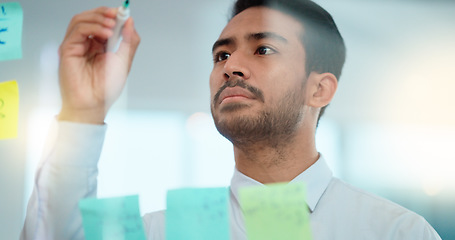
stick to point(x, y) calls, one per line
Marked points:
point(276, 66)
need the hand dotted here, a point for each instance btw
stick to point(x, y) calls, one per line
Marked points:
point(90, 78)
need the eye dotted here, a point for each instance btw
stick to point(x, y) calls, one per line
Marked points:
point(264, 51)
point(221, 56)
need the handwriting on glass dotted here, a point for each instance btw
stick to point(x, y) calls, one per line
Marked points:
point(197, 213)
point(2, 103)
point(283, 204)
point(3, 29)
point(112, 218)
point(118, 224)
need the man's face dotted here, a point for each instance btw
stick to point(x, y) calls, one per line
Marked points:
point(257, 82)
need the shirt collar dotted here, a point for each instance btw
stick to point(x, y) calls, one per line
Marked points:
point(316, 178)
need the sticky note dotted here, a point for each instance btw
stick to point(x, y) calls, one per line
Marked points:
point(197, 214)
point(112, 218)
point(11, 17)
point(275, 211)
point(9, 109)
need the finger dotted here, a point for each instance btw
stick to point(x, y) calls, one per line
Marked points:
point(102, 15)
point(130, 41)
point(99, 40)
point(96, 47)
point(78, 40)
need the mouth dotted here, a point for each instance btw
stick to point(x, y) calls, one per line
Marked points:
point(235, 94)
point(237, 91)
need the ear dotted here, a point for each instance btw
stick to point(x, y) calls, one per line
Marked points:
point(322, 88)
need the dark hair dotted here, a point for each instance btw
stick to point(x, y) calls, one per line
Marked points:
point(323, 43)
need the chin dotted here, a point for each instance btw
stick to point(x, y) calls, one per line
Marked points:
point(232, 114)
point(234, 107)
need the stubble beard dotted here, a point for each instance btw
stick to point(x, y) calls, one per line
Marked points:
point(273, 126)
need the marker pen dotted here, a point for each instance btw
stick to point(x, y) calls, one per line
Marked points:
point(123, 14)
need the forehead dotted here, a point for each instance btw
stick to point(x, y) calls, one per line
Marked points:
point(263, 19)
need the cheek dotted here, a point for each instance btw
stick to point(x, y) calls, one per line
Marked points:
point(278, 79)
point(213, 84)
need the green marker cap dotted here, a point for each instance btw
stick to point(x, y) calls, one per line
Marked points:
point(126, 4)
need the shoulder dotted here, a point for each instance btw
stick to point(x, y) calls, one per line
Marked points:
point(366, 212)
point(367, 204)
point(361, 199)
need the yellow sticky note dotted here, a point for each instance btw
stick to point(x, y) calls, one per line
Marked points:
point(9, 109)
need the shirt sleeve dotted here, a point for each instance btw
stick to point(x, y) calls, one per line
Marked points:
point(429, 233)
point(67, 173)
point(412, 227)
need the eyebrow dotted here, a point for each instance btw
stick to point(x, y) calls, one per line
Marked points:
point(265, 35)
point(249, 37)
point(222, 42)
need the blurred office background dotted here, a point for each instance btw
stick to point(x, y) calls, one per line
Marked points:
point(390, 129)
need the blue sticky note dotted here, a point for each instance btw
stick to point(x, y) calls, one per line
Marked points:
point(11, 17)
point(197, 214)
point(112, 218)
point(276, 211)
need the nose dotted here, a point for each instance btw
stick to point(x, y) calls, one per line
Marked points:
point(236, 66)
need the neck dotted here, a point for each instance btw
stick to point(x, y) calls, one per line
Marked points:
point(270, 163)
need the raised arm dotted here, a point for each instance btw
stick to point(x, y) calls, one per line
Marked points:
point(90, 78)
point(90, 82)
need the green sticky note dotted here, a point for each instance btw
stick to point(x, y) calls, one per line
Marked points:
point(197, 214)
point(9, 109)
point(11, 17)
point(275, 211)
point(112, 218)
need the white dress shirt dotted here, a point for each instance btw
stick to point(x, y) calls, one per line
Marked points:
point(69, 170)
